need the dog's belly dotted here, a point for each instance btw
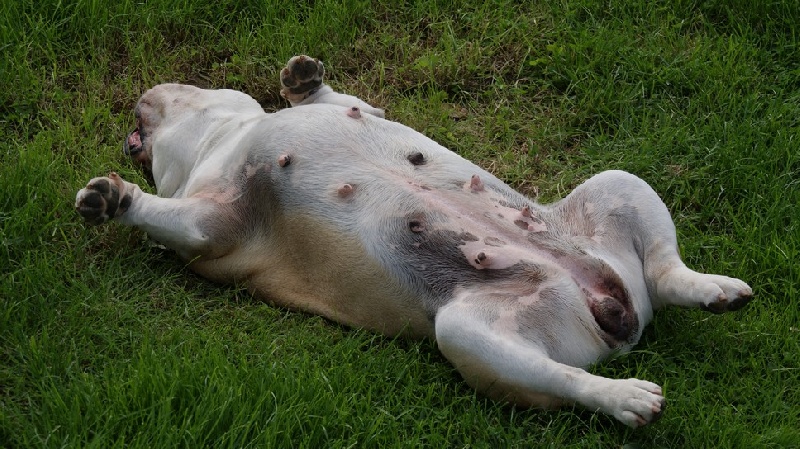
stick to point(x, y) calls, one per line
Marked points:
point(515, 260)
point(369, 223)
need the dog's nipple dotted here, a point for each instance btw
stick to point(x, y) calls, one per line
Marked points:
point(284, 160)
point(416, 226)
point(481, 260)
point(354, 112)
point(345, 190)
point(475, 184)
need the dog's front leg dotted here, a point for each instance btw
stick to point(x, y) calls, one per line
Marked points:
point(302, 84)
point(495, 359)
point(174, 222)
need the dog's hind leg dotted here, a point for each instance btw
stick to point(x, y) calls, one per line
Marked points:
point(498, 360)
point(628, 213)
point(302, 84)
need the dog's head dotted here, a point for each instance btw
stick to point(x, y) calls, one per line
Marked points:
point(174, 118)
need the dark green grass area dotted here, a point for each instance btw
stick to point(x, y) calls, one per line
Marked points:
point(109, 341)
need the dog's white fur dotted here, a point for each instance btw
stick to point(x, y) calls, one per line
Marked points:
point(328, 208)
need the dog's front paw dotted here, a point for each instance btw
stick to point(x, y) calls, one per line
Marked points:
point(102, 199)
point(635, 402)
point(300, 77)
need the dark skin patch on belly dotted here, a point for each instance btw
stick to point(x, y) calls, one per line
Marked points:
point(437, 266)
point(605, 293)
point(612, 317)
point(416, 158)
point(612, 308)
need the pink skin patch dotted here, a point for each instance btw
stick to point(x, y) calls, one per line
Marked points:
point(483, 258)
point(284, 160)
point(502, 238)
point(537, 227)
point(526, 220)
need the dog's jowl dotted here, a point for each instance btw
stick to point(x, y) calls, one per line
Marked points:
point(328, 208)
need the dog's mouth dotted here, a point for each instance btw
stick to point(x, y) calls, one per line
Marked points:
point(133, 144)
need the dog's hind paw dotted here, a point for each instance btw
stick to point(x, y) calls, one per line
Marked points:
point(712, 292)
point(734, 294)
point(102, 199)
point(300, 77)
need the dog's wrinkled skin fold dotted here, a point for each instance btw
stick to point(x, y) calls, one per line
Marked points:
point(328, 208)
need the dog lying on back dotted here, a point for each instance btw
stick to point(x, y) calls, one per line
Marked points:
point(328, 208)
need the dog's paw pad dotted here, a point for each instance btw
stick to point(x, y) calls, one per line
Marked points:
point(100, 200)
point(301, 75)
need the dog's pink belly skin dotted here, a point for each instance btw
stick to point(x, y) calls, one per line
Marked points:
point(473, 238)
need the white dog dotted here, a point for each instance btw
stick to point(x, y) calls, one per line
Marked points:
point(328, 208)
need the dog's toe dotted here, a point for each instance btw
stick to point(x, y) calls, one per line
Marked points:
point(659, 411)
point(735, 294)
point(740, 302)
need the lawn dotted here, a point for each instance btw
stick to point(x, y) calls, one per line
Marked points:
point(107, 340)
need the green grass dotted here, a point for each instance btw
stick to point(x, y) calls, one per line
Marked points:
point(107, 341)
